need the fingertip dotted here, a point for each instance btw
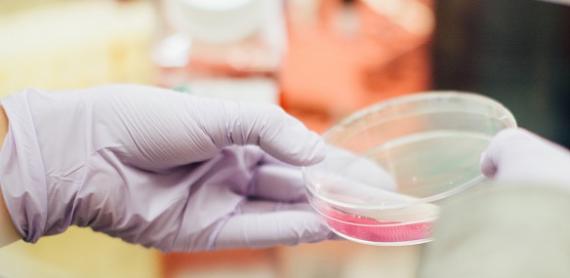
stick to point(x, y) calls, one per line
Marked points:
point(276, 132)
point(492, 156)
point(295, 144)
point(261, 227)
point(316, 230)
point(487, 161)
point(488, 168)
point(315, 152)
point(303, 224)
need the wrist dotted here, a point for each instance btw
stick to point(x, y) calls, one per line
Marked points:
point(8, 233)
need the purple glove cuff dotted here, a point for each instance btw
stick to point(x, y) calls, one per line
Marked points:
point(22, 172)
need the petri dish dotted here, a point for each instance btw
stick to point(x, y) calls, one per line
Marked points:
point(391, 164)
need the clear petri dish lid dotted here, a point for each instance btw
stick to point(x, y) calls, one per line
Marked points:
point(414, 149)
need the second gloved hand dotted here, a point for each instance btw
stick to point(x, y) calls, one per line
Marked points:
point(516, 155)
point(157, 168)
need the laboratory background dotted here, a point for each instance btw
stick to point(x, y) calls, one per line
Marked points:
point(320, 60)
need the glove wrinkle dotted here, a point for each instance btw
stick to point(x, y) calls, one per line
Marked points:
point(22, 172)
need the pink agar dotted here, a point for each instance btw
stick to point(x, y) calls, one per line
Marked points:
point(369, 229)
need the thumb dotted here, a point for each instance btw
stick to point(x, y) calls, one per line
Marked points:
point(518, 155)
point(506, 147)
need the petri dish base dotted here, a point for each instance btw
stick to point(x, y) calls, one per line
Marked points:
point(391, 164)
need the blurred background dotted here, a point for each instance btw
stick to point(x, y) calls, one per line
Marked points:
point(319, 59)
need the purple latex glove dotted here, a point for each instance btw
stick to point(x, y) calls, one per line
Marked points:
point(158, 168)
point(518, 155)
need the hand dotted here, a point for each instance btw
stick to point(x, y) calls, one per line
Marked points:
point(518, 155)
point(158, 168)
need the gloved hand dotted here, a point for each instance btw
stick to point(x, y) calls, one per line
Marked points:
point(518, 155)
point(158, 168)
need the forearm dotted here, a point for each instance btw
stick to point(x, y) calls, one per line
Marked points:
point(8, 233)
